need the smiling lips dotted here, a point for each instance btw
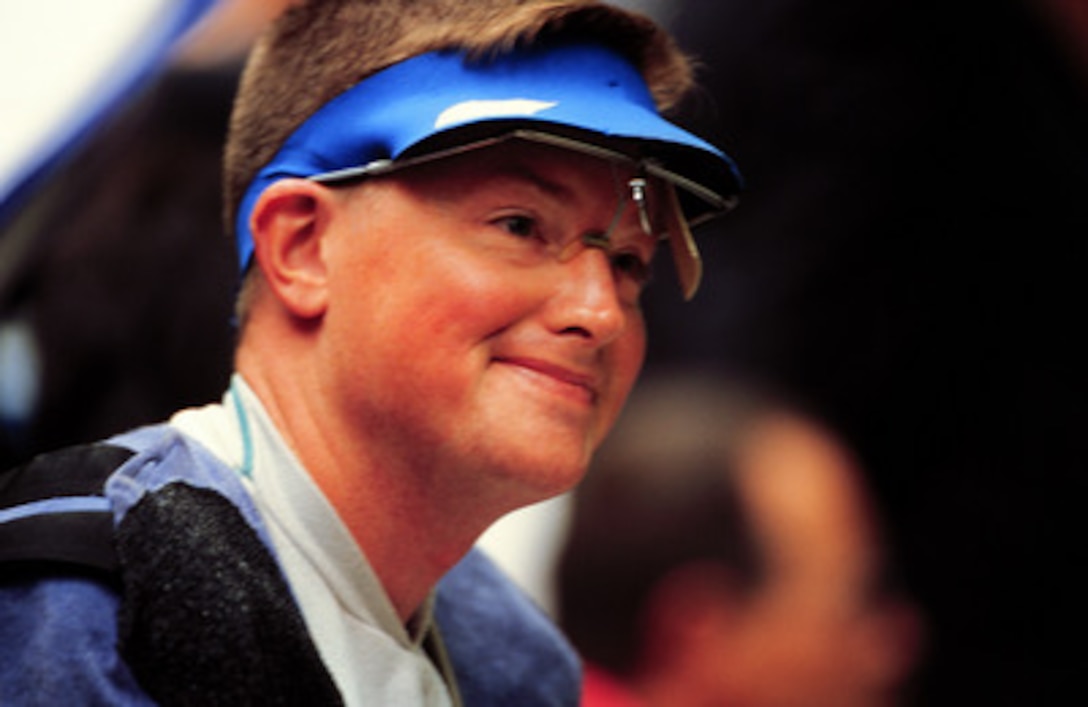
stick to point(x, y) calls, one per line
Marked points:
point(584, 384)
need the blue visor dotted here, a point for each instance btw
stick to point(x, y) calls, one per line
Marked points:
point(583, 95)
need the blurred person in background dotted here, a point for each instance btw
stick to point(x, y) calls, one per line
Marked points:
point(724, 550)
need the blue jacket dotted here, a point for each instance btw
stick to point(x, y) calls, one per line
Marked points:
point(137, 571)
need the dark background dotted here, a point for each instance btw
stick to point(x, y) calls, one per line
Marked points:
point(909, 261)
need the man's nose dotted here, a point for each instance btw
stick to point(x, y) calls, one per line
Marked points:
point(586, 301)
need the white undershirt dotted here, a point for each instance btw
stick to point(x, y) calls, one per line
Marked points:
point(372, 657)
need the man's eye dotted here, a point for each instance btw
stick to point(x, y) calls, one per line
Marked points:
point(519, 225)
point(632, 266)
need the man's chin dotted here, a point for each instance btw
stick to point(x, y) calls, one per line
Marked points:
point(530, 484)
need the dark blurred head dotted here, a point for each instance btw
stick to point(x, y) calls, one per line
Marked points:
point(724, 551)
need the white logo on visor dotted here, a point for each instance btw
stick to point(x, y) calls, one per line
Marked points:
point(468, 111)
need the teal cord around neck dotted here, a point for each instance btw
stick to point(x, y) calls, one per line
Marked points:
point(246, 469)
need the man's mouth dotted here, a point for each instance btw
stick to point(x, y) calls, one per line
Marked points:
point(563, 378)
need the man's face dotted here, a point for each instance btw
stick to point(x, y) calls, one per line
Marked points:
point(464, 339)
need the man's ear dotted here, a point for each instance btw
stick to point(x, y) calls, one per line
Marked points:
point(289, 223)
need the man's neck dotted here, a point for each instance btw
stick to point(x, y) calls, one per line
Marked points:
point(411, 529)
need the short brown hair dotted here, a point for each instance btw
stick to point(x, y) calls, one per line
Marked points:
point(320, 48)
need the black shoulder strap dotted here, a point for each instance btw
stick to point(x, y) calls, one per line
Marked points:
point(53, 509)
point(205, 616)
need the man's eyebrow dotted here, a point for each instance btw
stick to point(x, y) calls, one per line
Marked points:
point(524, 173)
